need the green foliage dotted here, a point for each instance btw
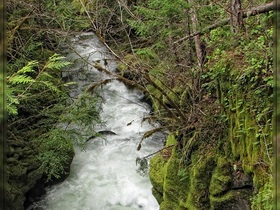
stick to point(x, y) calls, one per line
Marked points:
point(159, 24)
point(56, 62)
point(237, 79)
point(159, 18)
point(264, 199)
point(240, 72)
point(36, 96)
point(80, 117)
point(27, 81)
point(70, 17)
point(55, 153)
point(75, 124)
point(24, 90)
point(18, 79)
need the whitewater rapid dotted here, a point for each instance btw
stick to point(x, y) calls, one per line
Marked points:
point(104, 175)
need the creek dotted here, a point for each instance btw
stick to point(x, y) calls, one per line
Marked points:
point(104, 175)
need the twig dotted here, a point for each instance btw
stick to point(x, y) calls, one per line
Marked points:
point(159, 151)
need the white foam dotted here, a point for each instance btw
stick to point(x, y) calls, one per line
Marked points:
point(104, 177)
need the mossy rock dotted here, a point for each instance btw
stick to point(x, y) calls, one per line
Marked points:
point(14, 198)
point(156, 173)
point(232, 200)
point(221, 177)
point(172, 184)
point(158, 195)
point(23, 173)
point(175, 185)
point(167, 205)
point(200, 176)
point(219, 203)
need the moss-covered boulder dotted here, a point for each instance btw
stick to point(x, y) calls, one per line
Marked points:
point(25, 178)
point(157, 176)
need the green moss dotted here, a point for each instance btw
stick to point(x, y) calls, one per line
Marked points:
point(156, 173)
point(172, 167)
point(167, 205)
point(263, 200)
point(220, 180)
point(174, 187)
point(158, 195)
point(219, 203)
point(173, 94)
point(201, 172)
point(249, 143)
point(154, 92)
point(171, 140)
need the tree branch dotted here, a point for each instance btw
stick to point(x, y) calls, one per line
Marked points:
point(251, 12)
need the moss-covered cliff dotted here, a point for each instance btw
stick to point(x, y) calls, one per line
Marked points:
point(222, 158)
point(209, 181)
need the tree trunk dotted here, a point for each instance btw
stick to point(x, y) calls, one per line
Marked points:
point(236, 16)
point(197, 40)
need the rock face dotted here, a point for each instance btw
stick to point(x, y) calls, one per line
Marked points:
point(208, 181)
point(25, 178)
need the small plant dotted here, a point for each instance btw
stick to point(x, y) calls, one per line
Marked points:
point(143, 166)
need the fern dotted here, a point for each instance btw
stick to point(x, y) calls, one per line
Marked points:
point(21, 79)
point(28, 68)
point(57, 62)
point(26, 81)
point(22, 75)
point(55, 149)
point(51, 86)
point(12, 102)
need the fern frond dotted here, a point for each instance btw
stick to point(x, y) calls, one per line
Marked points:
point(20, 79)
point(28, 68)
point(12, 101)
point(46, 74)
point(57, 62)
point(51, 86)
point(23, 71)
point(12, 110)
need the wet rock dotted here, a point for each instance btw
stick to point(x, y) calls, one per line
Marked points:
point(241, 180)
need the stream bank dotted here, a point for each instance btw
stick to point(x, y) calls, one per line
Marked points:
point(26, 181)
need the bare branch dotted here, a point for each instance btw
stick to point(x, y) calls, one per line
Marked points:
point(251, 12)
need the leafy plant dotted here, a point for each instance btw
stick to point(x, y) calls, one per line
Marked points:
point(22, 83)
point(74, 125)
point(264, 199)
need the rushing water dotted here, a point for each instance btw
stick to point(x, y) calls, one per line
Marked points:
point(104, 176)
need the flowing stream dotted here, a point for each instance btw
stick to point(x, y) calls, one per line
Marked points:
point(104, 176)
